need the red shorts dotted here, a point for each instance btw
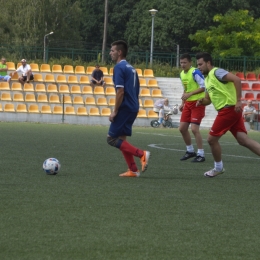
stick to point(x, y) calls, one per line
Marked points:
point(192, 113)
point(228, 120)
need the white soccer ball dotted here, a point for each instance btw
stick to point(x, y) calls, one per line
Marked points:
point(51, 166)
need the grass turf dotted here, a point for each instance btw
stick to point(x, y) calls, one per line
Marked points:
point(87, 212)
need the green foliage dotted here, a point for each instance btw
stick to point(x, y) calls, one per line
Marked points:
point(237, 34)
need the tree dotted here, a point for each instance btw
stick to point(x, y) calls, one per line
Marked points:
point(238, 34)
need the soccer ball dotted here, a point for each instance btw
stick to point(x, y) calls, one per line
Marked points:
point(51, 166)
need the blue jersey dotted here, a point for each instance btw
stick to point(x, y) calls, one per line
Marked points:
point(125, 76)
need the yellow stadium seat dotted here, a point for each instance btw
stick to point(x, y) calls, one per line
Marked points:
point(14, 77)
point(102, 101)
point(145, 92)
point(10, 65)
point(84, 80)
point(78, 100)
point(82, 111)
point(87, 90)
point(99, 91)
point(68, 69)
point(56, 68)
point(157, 93)
point(75, 89)
point(142, 82)
point(1, 109)
point(140, 102)
point(66, 99)
point(64, 89)
point(139, 72)
point(9, 108)
point(79, 70)
point(61, 79)
point(30, 98)
point(152, 114)
point(33, 109)
point(18, 65)
point(52, 88)
point(34, 67)
point(142, 113)
point(37, 77)
point(94, 111)
point(89, 70)
point(110, 91)
point(111, 71)
point(148, 103)
point(4, 86)
point(72, 79)
point(18, 97)
point(111, 101)
point(28, 87)
point(21, 108)
point(70, 110)
point(54, 99)
point(148, 73)
point(6, 96)
point(16, 86)
point(105, 111)
point(45, 68)
point(57, 110)
point(46, 109)
point(42, 98)
point(40, 87)
point(109, 81)
point(90, 101)
point(152, 83)
point(49, 78)
point(105, 71)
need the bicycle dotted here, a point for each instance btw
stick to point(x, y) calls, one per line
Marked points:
point(167, 118)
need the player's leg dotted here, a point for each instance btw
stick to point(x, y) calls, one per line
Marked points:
point(184, 130)
point(197, 114)
point(161, 115)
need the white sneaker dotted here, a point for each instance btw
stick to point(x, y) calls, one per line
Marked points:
point(213, 173)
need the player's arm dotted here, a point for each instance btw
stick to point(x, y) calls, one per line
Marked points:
point(119, 99)
point(204, 101)
point(237, 83)
point(4, 69)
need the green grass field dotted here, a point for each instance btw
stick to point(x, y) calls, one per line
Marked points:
point(87, 212)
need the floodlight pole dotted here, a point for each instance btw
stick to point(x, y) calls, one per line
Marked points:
point(153, 13)
point(44, 46)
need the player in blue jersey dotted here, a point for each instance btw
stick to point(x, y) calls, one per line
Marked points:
point(127, 87)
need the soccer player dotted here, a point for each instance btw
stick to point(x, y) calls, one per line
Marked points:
point(194, 89)
point(125, 111)
point(223, 90)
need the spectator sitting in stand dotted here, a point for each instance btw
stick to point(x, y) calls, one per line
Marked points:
point(3, 71)
point(97, 77)
point(26, 70)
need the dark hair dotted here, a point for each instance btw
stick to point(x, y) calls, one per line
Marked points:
point(185, 56)
point(122, 46)
point(205, 56)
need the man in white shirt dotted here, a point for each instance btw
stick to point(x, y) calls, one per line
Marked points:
point(26, 70)
point(249, 112)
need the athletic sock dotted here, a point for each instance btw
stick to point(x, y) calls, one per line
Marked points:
point(127, 147)
point(190, 148)
point(129, 158)
point(201, 152)
point(218, 166)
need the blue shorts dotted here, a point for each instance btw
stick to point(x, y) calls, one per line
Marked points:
point(122, 125)
point(6, 78)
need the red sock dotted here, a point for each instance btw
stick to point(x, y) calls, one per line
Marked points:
point(129, 158)
point(126, 147)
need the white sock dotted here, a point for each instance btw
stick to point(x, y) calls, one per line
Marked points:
point(190, 148)
point(218, 166)
point(200, 152)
